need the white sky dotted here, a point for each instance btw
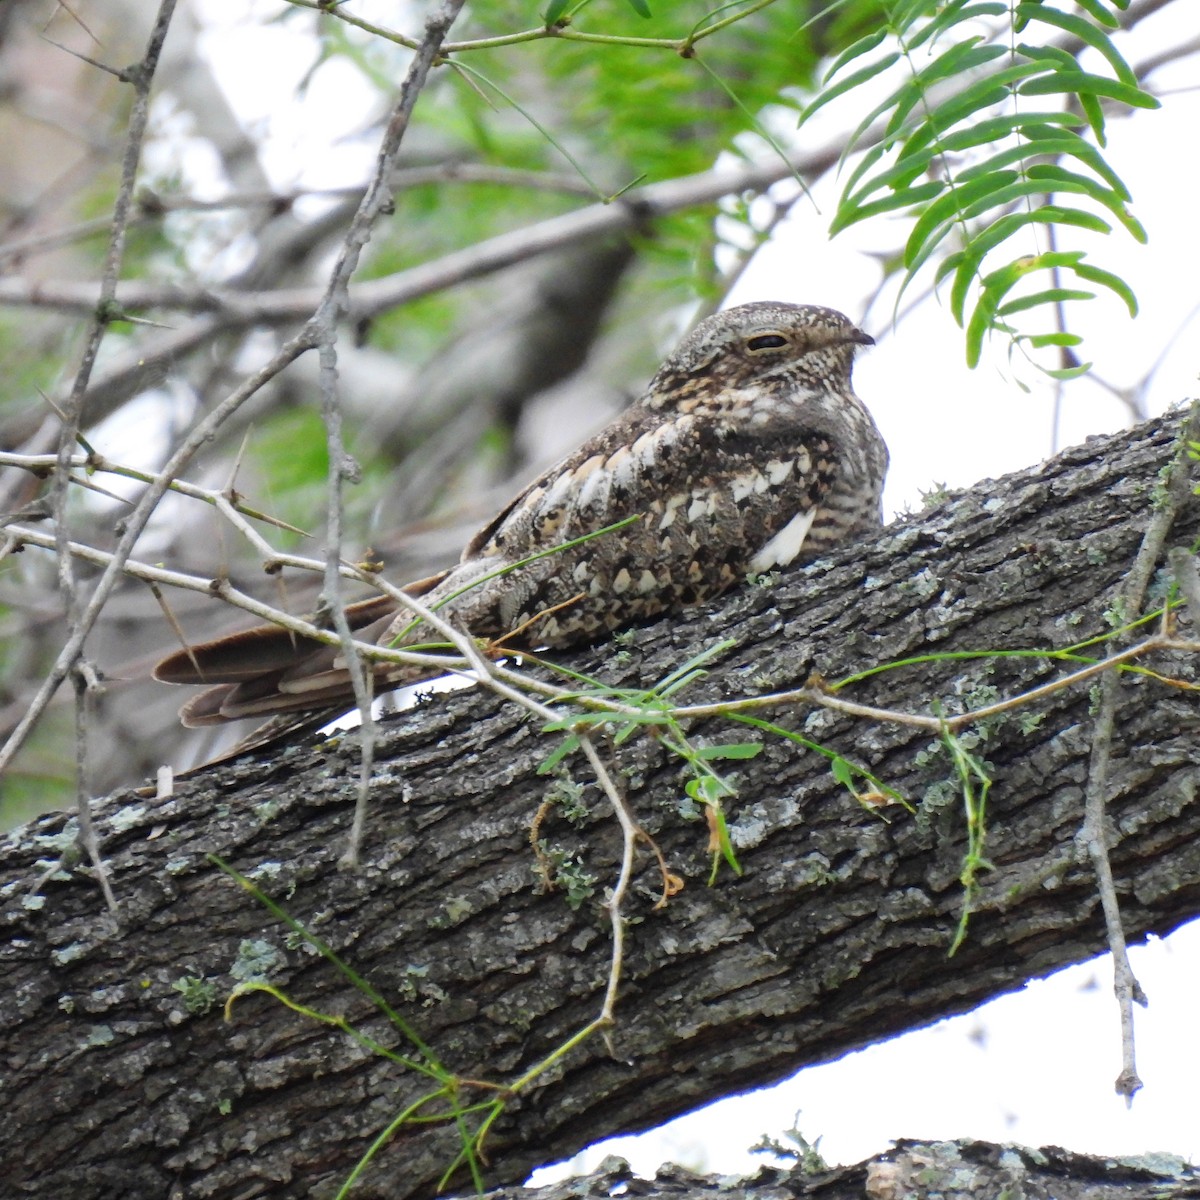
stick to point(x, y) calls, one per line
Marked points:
point(1038, 1066)
point(1035, 1067)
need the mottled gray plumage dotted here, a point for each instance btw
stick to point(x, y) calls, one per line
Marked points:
point(748, 451)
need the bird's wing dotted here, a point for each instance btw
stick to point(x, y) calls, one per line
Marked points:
point(709, 503)
point(739, 487)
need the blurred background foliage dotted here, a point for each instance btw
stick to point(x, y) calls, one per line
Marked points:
point(452, 398)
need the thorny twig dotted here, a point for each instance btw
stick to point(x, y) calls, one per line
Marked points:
point(230, 506)
point(141, 77)
point(489, 674)
point(513, 684)
point(134, 524)
point(1093, 835)
point(335, 303)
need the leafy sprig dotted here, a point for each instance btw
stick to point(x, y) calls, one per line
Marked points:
point(969, 149)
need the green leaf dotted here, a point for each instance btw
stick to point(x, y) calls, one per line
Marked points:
point(1107, 279)
point(1004, 228)
point(1026, 188)
point(966, 56)
point(554, 10)
point(1042, 298)
point(1058, 338)
point(921, 149)
point(1056, 143)
point(998, 283)
point(567, 746)
point(738, 750)
point(983, 319)
point(1082, 29)
point(1031, 124)
point(956, 14)
point(992, 89)
point(848, 84)
point(1068, 144)
point(1056, 178)
point(1052, 58)
point(964, 275)
point(869, 159)
point(708, 790)
point(1083, 83)
point(904, 13)
point(690, 670)
point(864, 45)
point(842, 772)
point(950, 208)
point(640, 7)
point(1099, 13)
point(800, 740)
point(1066, 374)
point(1094, 112)
point(850, 214)
point(907, 96)
point(727, 851)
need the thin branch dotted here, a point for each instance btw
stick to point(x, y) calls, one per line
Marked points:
point(86, 687)
point(324, 325)
point(154, 206)
point(1094, 835)
point(234, 510)
point(141, 77)
point(203, 432)
point(372, 297)
point(630, 832)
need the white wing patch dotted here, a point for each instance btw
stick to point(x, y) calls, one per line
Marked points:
point(668, 517)
point(779, 469)
point(593, 479)
point(785, 545)
point(741, 486)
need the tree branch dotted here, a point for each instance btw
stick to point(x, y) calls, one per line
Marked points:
point(835, 936)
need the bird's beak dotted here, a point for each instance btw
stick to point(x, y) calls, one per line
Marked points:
point(862, 339)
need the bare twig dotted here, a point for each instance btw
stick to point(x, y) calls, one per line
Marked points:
point(141, 77)
point(86, 687)
point(153, 206)
point(630, 832)
point(372, 297)
point(134, 524)
point(324, 325)
point(1094, 835)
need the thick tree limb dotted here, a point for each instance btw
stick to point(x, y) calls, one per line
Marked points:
point(835, 936)
point(913, 1169)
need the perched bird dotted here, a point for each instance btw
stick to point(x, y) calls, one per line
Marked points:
point(748, 451)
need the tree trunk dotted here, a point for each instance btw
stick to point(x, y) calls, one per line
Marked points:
point(835, 936)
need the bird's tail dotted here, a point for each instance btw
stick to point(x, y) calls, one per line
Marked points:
point(268, 670)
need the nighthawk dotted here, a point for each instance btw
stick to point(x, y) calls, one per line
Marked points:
point(748, 451)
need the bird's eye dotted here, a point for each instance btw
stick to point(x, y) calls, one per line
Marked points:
point(765, 341)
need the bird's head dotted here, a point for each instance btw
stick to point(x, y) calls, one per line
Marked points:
point(759, 343)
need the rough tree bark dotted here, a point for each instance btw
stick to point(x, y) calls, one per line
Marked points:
point(946, 1170)
point(835, 936)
